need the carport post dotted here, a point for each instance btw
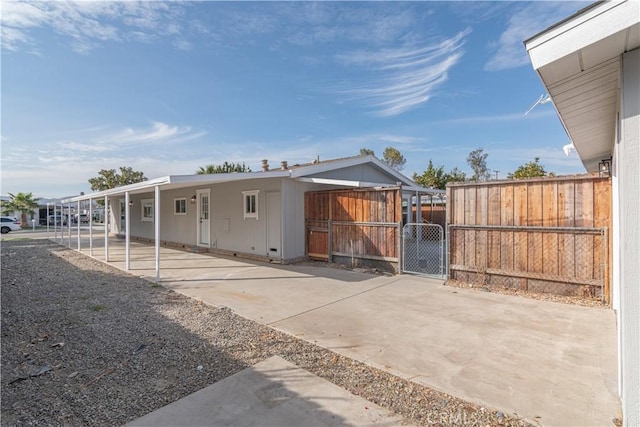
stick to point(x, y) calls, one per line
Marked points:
point(78, 214)
point(69, 223)
point(156, 210)
point(55, 221)
point(90, 227)
point(127, 230)
point(106, 228)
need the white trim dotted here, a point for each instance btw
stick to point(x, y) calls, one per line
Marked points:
point(250, 210)
point(596, 24)
point(147, 203)
point(184, 199)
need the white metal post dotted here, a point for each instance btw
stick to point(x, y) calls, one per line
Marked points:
point(127, 229)
point(69, 223)
point(55, 221)
point(48, 236)
point(106, 228)
point(157, 231)
point(90, 227)
point(78, 214)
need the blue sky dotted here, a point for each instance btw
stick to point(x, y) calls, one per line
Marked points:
point(167, 87)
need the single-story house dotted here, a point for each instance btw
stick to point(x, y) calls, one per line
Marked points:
point(590, 66)
point(253, 214)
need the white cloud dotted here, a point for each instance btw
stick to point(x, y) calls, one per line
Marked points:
point(507, 117)
point(89, 23)
point(526, 22)
point(403, 79)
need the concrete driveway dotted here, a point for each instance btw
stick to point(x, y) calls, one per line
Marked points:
point(550, 363)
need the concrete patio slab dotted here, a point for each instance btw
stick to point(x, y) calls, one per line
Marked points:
point(272, 393)
point(551, 363)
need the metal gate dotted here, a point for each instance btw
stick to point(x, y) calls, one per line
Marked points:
point(423, 250)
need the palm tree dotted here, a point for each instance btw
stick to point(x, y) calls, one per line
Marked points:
point(21, 202)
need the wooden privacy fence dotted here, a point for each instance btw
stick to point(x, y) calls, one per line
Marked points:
point(355, 225)
point(542, 235)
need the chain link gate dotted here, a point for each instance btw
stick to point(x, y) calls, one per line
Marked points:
point(423, 250)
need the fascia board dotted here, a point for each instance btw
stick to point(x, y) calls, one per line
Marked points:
point(584, 29)
point(353, 161)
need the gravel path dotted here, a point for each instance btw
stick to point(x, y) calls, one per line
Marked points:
point(86, 344)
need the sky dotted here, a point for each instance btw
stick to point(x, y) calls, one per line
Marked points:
point(169, 87)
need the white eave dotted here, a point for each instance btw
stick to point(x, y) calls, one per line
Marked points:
point(364, 184)
point(579, 62)
point(300, 173)
point(170, 182)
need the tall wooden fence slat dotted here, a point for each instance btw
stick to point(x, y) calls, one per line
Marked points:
point(506, 244)
point(361, 223)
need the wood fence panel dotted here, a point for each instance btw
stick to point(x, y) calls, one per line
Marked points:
point(358, 223)
point(572, 212)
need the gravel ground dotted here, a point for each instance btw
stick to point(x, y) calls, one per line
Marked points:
point(86, 344)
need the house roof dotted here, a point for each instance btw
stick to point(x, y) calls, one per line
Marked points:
point(299, 172)
point(579, 61)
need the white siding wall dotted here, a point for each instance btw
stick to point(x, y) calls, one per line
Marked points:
point(229, 230)
point(628, 170)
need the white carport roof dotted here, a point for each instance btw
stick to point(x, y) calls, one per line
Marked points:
point(579, 61)
point(300, 173)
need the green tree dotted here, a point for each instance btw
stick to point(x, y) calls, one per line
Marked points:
point(435, 177)
point(109, 178)
point(226, 167)
point(530, 170)
point(366, 152)
point(477, 160)
point(393, 158)
point(432, 177)
point(455, 175)
point(24, 203)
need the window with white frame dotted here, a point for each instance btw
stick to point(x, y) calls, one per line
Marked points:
point(250, 204)
point(147, 210)
point(180, 206)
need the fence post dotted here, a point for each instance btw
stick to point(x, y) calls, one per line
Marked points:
point(400, 246)
point(329, 239)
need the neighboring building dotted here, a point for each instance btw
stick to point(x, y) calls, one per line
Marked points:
point(590, 65)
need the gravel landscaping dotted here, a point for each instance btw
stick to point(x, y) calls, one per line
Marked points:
point(86, 344)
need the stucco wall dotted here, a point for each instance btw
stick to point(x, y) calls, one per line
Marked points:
point(628, 171)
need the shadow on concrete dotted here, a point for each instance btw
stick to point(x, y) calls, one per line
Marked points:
point(129, 348)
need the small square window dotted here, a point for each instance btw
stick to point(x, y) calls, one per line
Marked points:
point(147, 210)
point(180, 206)
point(250, 204)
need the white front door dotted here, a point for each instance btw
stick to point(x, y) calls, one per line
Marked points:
point(204, 229)
point(274, 230)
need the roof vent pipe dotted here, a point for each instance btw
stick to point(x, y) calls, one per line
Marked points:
point(265, 165)
point(283, 165)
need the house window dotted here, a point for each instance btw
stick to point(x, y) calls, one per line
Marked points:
point(147, 210)
point(250, 204)
point(180, 206)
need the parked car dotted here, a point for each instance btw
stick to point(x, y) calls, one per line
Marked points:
point(9, 223)
point(57, 220)
point(84, 218)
